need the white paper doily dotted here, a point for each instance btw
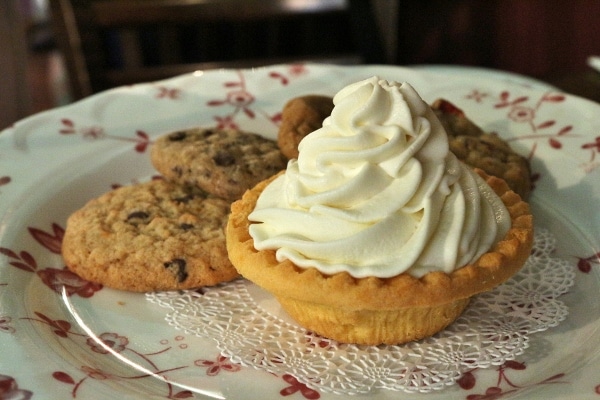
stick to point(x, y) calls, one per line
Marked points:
point(250, 328)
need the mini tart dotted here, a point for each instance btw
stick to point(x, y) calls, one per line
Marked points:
point(373, 310)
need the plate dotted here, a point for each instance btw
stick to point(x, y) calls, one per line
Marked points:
point(61, 337)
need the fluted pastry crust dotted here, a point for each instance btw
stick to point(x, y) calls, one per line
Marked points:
point(374, 310)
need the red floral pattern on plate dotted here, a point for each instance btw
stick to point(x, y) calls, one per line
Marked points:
point(468, 381)
point(4, 180)
point(584, 264)
point(9, 389)
point(221, 363)
point(231, 106)
point(5, 324)
point(59, 327)
point(141, 140)
point(295, 386)
point(238, 98)
point(524, 109)
point(165, 92)
point(520, 110)
point(106, 344)
point(56, 279)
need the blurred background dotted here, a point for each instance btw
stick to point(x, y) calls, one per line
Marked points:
point(53, 52)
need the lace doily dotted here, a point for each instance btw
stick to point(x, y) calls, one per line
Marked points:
point(249, 327)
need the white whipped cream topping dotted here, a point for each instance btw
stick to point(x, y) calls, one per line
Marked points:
point(376, 192)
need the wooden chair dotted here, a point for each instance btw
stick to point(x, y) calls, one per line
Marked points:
point(15, 101)
point(107, 43)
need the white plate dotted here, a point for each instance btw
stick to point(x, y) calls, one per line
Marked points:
point(53, 162)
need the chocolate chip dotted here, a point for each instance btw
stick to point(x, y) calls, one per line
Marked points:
point(207, 133)
point(183, 199)
point(137, 215)
point(177, 170)
point(186, 227)
point(177, 267)
point(177, 136)
point(223, 159)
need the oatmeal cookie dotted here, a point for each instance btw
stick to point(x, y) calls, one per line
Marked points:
point(300, 116)
point(152, 236)
point(224, 163)
point(480, 149)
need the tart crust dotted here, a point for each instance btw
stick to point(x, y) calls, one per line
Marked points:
point(375, 310)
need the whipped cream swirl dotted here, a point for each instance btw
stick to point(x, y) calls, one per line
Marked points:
point(376, 192)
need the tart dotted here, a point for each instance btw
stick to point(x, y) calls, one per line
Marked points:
point(374, 310)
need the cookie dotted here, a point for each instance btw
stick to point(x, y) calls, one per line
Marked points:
point(480, 149)
point(224, 163)
point(470, 143)
point(151, 236)
point(299, 117)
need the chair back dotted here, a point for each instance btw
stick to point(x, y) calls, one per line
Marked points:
point(107, 43)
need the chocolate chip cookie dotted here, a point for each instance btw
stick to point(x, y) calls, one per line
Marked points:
point(224, 163)
point(483, 150)
point(151, 236)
